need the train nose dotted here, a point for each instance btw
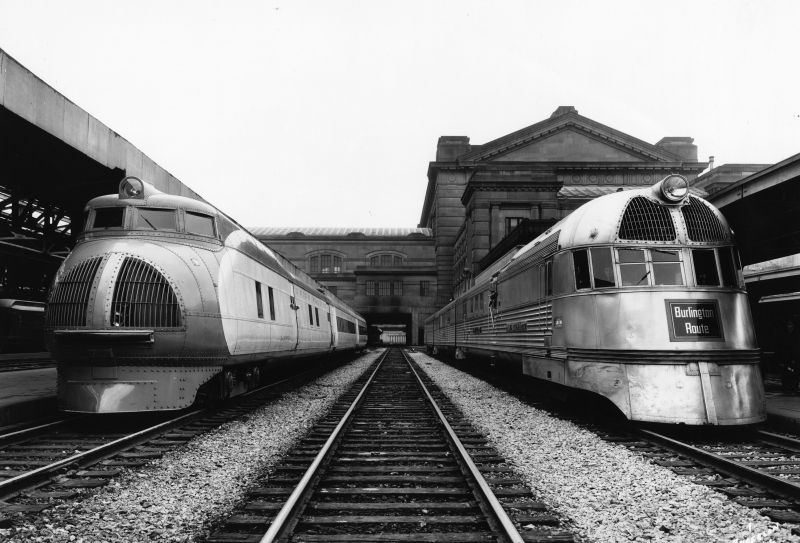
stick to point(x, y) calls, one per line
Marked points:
point(113, 291)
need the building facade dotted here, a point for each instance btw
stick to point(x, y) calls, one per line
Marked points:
point(478, 194)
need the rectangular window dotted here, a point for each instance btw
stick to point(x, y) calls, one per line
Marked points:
point(337, 264)
point(310, 315)
point(199, 224)
point(386, 261)
point(314, 264)
point(602, 267)
point(512, 223)
point(316, 314)
point(108, 217)
point(666, 267)
point(632, 267)
point(325, 263)
point(464, 310)
point(705, 267)
point(397, 288)
point(480, 301)
point(581, 262)
point(370, 288)
point(259, 301)
point(271, 303)
point(398, 261)
point(384, 288)
point(157, 219)
point(423, 287)
point(375, 261)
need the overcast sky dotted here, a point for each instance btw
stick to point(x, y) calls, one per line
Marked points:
point(327, 113)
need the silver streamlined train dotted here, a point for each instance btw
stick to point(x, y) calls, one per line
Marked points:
point(164, 294)
point(637, 296)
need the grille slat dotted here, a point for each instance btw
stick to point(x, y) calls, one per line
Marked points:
point(701, 223)
point(143, 298)
point(69, 300)
point(645, 220)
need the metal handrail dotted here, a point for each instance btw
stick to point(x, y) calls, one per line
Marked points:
point(510, 530)
point(279, 523)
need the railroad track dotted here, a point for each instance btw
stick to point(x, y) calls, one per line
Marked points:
point(393, 461)
point(757, 469)
point(57, 460)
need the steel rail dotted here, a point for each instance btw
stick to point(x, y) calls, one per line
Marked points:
point(729, 467)
point(508, 526)
point(14, 485)
point(778, 440)
point(279, 523)
point(25, 433)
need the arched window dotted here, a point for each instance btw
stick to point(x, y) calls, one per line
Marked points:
point(325, 263)
point(385, 260)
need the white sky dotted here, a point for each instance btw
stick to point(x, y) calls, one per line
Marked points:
point(327, 113)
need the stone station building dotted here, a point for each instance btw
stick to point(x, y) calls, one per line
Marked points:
point(481, 201)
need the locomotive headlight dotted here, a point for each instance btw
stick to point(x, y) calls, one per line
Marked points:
point(674, 188)
point(131, 187)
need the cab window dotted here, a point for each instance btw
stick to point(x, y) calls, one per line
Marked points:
point(580, 260)
point(666, 267)
point(632, 267)
point(109, 217)
point(705, 267)
point(726, 265)
point(202, 225)
point(602, 267)
point(157, 219)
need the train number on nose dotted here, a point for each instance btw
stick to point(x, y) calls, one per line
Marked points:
point(694, 320)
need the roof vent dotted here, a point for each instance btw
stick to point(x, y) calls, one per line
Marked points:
point(645, 220)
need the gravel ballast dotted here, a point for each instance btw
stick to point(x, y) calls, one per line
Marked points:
point(178, 496)
point(606, 492)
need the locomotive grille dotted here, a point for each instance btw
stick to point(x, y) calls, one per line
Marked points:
point(701, 223)
point(647, 221)
point(143, 298)
point(70, 297)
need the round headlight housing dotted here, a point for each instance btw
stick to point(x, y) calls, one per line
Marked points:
point(674, 188)
point(131, 187)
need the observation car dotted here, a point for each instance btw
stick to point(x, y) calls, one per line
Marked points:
point(163, 295)
point(637, 296)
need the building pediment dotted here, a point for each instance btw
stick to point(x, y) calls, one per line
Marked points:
point(568, 137)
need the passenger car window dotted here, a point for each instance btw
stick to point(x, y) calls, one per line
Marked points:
point(666, 267)
point(157, 219)
point(108, 217)
point(705, 267)
point(199, 224)
point(602, 267)
point(632, 267)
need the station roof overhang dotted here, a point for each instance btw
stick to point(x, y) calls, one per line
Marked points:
point(763, 211)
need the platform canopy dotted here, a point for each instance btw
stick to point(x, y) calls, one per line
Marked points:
point(764, 211)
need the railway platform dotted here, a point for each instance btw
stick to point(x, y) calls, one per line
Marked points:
point(27, 394)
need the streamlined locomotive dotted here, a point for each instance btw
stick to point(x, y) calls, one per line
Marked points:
point(164, 294)
point(637, 296)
